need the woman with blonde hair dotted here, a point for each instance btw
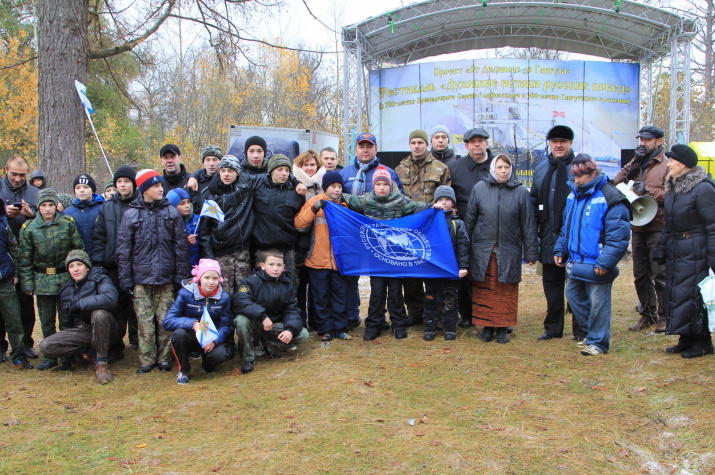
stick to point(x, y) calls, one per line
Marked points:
point(308, 168)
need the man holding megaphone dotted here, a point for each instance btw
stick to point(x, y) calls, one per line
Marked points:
point(647, 171)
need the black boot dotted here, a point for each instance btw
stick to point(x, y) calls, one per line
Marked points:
point(703, 346)
point(502, 336)
point(487, 334)
point(684, 343)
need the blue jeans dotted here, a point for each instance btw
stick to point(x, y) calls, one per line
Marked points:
point(591, 305)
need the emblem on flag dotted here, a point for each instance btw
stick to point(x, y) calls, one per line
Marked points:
point(210, 209)
point(207, 330)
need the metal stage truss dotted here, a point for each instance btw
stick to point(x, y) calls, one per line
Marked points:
point(618, 30)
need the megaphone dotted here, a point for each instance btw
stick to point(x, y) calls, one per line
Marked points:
point(643, 208)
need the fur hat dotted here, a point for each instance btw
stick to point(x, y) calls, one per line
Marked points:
point(683, 154)
point(381, 173)
point(147, 178)
point(560, 132)
point(78, 255)
point(48, 194)
point(204, 266)
point(85, 179)
point(278, 160)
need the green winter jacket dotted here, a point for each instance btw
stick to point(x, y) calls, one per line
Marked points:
point(394, 205)
point(47, 245)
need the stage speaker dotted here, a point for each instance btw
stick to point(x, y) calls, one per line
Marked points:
point(627, 155)
point(643, 208)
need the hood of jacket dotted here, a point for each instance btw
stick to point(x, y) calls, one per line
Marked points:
point(589, 188)
point(96, 198)
point(194, 288)
point(686, 181)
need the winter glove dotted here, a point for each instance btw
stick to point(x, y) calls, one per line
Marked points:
point(640, 152)
point(318, 205)
point(639, 188)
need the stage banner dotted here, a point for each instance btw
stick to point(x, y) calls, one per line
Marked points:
point(516, 101)
point(418, 245)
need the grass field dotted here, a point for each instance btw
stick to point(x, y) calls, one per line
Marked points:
point(524, 407)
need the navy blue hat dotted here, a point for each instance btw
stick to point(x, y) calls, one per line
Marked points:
point(331, 177)
point(176, 196)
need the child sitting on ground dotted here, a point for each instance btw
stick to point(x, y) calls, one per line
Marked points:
point(203, 291)
point(441, 294)
point(266, 306)
point(385, 202)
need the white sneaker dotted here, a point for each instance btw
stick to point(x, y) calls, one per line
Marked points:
point(581, 342)
point(591, 350)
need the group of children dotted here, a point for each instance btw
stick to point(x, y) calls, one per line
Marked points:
point(100, 265)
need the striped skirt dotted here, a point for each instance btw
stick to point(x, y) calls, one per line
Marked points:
point(494, 304)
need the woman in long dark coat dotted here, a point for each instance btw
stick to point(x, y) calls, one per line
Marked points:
point(687, 246)
point(500, 223)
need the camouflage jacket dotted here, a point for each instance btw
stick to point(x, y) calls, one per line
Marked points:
point(394, 205)
point(420, 178)
point(46, 245)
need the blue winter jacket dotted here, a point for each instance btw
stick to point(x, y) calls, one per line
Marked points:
point(191, 221)
point(85, 214)
point(189, 307)
point(350, 172)
point(596, 230)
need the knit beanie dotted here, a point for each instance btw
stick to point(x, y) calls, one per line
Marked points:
point(204, 266)
point(65, 198)
point(125, 171)
point(212, 151)
point(110, 183)
point(230, 161)
point(440, 128)
point(255, 140)
point(176, 196)
point(583, 164)
point(331, 177)
point(381, 173)
point(78, 255)
point(85, 179)
point(444, 191)
point(278, 160)
point(147, 178)
point(419, 133)
point(48, 194)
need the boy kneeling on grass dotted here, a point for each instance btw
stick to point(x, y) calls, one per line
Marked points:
point(266, 306)
point(85, 318)
point(183, 319)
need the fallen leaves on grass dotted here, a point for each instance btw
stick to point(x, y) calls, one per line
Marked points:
point(141, 446)
point(215, 469)
point(369, 384)
point(159, 436)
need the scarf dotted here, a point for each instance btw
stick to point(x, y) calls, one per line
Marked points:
point(359, 183)
point(638, 168)
point(561, 190)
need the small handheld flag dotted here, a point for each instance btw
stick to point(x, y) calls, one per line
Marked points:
point(212, 210)
point(207, 330)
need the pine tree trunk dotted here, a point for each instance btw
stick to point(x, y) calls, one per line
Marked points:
point(63, 55)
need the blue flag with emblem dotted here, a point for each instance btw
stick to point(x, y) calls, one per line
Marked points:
point(207, 330)
point(413, 246)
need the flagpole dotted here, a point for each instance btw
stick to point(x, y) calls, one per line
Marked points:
point(97, 137)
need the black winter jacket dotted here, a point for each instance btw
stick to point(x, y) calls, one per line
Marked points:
point(466, 173)
point(197, 197)
point(236, 201)
point(547, 234)
point(179, 180)
point(12, 195)
point(275, 207)
point(152, 246)
point(95, 292)
point(687, 245)
point(260, 296)
point(104, 238)
point(460, 238)
point(501, 215)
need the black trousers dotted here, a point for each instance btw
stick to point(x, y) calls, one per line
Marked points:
point(125, 315)
point(465, 299)
point(385, 289)
point(184, 342)
point(414, 293)
point(554, 282)
point(441, 299)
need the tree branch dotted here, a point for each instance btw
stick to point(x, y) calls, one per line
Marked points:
point(129, 45)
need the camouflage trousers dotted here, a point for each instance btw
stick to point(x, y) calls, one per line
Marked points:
point(73, 341)
point(151, 302)
point(234, 268)
point(10, 313)
point(247, 330)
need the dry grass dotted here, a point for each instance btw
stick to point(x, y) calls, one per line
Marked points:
point(524, 407)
